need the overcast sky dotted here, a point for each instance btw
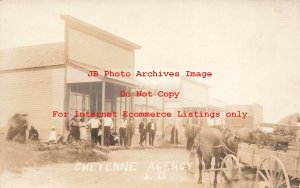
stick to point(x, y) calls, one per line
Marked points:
point(252, 47)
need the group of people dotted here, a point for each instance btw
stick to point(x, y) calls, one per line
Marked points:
point(98, 128)
point(34, 135)
point(146, 129)
point(126, 131)
point(124, 126)
point(78, 129)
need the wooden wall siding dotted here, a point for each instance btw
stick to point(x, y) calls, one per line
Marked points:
point(193, 94)
point(36, 93)
point(90, 50)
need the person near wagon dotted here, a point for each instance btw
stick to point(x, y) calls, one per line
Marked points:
point(130, 131)
point(143, 131)
point(152, 131)
point(94, 124)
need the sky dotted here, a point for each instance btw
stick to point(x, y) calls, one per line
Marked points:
point(251, 47)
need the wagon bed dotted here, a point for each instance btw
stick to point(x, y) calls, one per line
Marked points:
point(251, 155)
point(274, 169)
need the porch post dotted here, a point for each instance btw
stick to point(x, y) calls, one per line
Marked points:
point(103, 110)
point(126, 105)
point(132, 109)
point(147, 120)
point(65, 131)
point(163, 123)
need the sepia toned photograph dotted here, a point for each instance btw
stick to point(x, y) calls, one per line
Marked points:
point(137, 93)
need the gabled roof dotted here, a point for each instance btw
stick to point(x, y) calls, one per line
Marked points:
point(99, 33)
point(32, 56)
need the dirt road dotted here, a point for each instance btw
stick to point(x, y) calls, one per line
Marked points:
point(125, 168)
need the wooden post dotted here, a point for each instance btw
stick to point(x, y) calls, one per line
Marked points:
point(103, 109)
point(65, 131)
point(163, 123)
point(147, 121)
point(97, 99)
point(132, 109)
point(126, 99)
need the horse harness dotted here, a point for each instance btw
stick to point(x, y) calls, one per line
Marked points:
point(226, 151)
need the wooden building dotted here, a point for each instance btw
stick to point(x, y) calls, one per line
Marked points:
point(32, 81)
point(253, 119)
point(194, 97)
point(54, 77)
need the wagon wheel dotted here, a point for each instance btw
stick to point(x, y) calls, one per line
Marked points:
point(230, 171)
point(273, 172)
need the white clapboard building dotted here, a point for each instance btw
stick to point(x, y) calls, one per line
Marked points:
point(40, 79)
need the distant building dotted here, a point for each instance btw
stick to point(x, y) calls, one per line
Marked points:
point(193, 97)
point(253, 119)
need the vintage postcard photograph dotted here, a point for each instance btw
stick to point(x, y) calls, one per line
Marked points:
point(140, 93)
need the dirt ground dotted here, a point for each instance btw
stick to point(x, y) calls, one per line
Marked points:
point(125, 168)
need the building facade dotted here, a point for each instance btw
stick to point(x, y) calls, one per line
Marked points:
point(253, 119)
point(41, 79)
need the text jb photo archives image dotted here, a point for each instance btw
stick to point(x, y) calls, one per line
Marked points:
point(137, 93)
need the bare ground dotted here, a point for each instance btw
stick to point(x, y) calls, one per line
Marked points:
point(142, 174)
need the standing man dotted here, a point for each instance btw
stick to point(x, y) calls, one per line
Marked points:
point(108, 124)
point(95, 124)
point(174, 135)
point(123, 131)
point(100, 132)
point(130, 131)
point(143, 131)
point(152, 131)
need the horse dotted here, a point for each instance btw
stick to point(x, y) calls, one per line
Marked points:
point(16, 128)
point(230, 140)
point(208, 143)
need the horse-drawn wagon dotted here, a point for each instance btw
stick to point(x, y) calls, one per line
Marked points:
point(270, 167)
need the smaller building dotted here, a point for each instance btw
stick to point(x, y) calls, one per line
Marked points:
point(253, 119)
point(193, 97)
